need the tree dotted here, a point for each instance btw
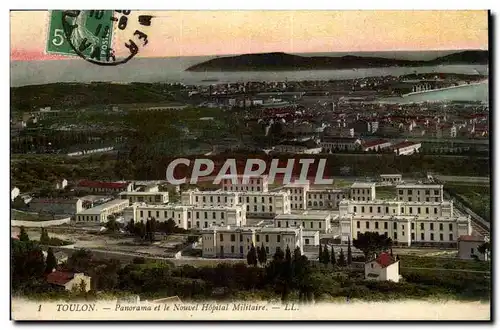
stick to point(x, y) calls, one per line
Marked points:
point(332, 257)
point(18, 203)
point(349, 252)
point(252, 256)
point(170, 226)
point(287, 274)
point(80, 261)
point(288, 255)
point(50, 262)
point(26, 262)
point(326, 256)
point(44, 236)
point(150, 229)
point(112, 225)
point(484, 248)
point(341, 262)
point(140, 229)
point(297, 254)
point(262, 255)
point(320, 254)
point(23, 236)
point(130, 226)
point(278, 256)
point(371, 243)
point(82, 287)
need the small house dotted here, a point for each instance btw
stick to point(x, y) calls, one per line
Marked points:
point(382, 268)
point(69, 280)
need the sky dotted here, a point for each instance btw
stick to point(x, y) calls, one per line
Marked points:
point(205, 33)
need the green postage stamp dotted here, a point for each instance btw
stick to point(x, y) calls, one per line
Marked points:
point(95, 26)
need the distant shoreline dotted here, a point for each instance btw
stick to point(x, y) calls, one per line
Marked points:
point(485, 81)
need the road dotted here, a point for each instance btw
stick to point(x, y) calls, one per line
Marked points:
point(465, 179)
point(450, 270)
point(466, 141)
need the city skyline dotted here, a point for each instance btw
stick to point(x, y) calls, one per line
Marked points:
point(211, 33)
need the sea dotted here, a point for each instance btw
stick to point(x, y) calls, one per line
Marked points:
point(173, 70)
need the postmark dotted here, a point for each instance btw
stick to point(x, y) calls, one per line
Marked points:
point(92, 35)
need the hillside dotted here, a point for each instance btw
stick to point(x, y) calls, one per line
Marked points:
point(80, 95)
point(283, 61)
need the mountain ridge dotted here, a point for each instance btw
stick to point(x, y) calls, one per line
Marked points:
point(283, 61)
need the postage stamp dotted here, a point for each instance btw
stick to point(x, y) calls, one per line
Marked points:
point(250, 165)
point(89, 35)
point(90, 27)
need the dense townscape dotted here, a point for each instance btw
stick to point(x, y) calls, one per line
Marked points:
point(407, 214)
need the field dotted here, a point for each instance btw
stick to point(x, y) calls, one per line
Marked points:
point(476, 195)
point(443, 263)
point(30, 216)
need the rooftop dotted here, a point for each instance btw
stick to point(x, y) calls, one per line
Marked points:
point(363, 185)
point(310, 232)
point(407, 217)
point(384, 260)
point(99, 208)
point(94, 198)
point(391, 175)
point(165, 207)
point(328, 138)
point(387, 202)
point(250, 229)
point(305, 215)
point(405, 144)
point(419, 186)
point(142, 193)
point(372, 143)
point(59, 278)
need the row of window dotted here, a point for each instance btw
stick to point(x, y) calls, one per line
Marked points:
point(141, 199)
point(88, 218)
point(205, 214)
point(361, 198)
point(379, 209)
point(251, 181)
point(263, 207)
point(326, 196)
point(422, 236)
point(410, 192)
point(361, 191)
point(233, 249)
point(320, 203)
point(427, 199)
point(241, 188)
point(395, 225)
point(278, 223)
point(257, 238)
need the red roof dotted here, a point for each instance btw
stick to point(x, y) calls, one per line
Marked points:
point(384, 260)
point(59, 278)
point(404, 144)
point(100, 184)
point(470, 238)
point(373, 143)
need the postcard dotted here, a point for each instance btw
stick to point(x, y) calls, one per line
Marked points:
point(250, 165)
